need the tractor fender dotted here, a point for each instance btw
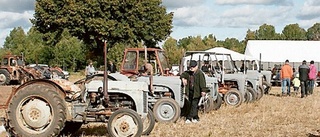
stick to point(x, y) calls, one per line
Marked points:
point(50, 83)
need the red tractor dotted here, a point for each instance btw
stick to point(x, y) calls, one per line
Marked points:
point(13, 68)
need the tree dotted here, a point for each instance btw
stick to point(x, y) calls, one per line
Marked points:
point(15, 41)
point(294, 32)
point(197, 44)
point(34, 46)
point(68, 52)
point(266, 32)
point(210, 41)
point(249, 36)
point(172, 51)
point(313, 33)
point(184, 42)
point(92, 21)
point(232, 44)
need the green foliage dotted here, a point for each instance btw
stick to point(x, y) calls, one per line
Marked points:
point(266, 32)
point(15, 41)
point(118, 21)
point(68, 52)
point(210, 41)
point(115, 54)
point(294, 32)
point(172, 51)
point(313, 32)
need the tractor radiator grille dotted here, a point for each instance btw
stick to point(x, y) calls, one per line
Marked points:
point(145, 102)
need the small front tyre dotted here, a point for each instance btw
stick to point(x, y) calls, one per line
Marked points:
point(233, 98)
point(166, 110)
point(4, 77)
point(125, 123)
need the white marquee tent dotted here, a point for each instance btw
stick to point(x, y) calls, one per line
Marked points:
point(275, 52)
point(234, 55)
point(280, 50)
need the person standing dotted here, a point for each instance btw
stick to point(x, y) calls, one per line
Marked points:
point(303, 77)
point(296, 83)
point(196, 86)
point(286, 74)
point(312, 77)
point(90, 70)
point(111, 67)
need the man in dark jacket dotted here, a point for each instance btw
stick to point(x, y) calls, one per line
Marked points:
point(195, 84)
point(111, 67)
point(303, 77)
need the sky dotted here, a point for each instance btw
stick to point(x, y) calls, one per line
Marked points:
point(222, 18)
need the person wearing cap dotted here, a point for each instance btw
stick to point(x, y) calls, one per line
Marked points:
point(312, 77)
point(286, 74)
point(195, 83)
point(303, 77)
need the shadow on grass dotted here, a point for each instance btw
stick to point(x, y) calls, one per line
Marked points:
point(312, 135)
point(276, 95)
point(280, 95)
point(90, 131)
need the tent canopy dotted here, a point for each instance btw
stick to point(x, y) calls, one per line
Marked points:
point(281, 50)
point(234, 55)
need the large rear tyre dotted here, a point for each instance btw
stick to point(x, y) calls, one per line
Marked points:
point(166, 110)
point(207, 106)
point(217, 103)
point(233, 98)
point(148, 123)
point(4, 77)
point(266, 87)
point(252, 95)
point(125, 123)
point(36, 111)
point(260, 93)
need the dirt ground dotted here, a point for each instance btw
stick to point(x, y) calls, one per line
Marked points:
point(272, 116)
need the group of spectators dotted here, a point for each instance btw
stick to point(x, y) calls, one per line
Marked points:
point(304, 77)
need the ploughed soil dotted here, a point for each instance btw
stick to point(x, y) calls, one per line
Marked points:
point(272, 116)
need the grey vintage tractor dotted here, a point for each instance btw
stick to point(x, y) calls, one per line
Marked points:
point(166, 96)
point(232, 85)
point(254, 68)
point(41, 108)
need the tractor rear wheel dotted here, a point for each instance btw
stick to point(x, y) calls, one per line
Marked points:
point(36, 111)
point(125, 123)
point(208, 105)
point(260, 93)
point(217, 103)
point(266, 87)
point(148, 123)
point(252, 94)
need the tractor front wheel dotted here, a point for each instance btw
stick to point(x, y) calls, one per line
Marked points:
point(125, 123)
